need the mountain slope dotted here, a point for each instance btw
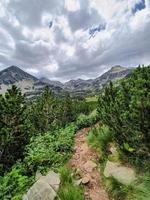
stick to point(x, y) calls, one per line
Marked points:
point(14, 74)
point(116, 72)
point(83, 87)
point(33, 86)
point(54, 83)
point(29, 85)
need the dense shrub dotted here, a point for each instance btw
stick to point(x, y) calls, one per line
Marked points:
point(126, 110)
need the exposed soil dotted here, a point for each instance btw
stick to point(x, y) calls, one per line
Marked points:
point(85, 161)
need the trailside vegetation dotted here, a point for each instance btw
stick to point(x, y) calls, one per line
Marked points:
point(124, 112)
point(37, 136)
point(125, 109)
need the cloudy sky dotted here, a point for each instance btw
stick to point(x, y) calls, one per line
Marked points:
point(65, 39)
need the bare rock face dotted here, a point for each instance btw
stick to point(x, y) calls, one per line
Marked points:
point(45, 188)
point(124, 175)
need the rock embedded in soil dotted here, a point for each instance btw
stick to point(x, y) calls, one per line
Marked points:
point(78, 182)
point(89, 166)
point(124, 175)
point(85, 180)
point(45, 188)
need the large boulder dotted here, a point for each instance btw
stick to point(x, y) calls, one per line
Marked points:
point(122, 174)
point(45, 188)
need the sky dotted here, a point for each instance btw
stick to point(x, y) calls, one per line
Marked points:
point(70, 39)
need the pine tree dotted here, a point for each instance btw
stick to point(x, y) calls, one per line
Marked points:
point(43, 111)
point(14, 129)
point(126, 110)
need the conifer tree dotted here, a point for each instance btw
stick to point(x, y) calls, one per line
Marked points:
point(14, 129)
point(126, 110)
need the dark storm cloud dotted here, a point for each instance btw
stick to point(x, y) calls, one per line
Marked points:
point(66, 50)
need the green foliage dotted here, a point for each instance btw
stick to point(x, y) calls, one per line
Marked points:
point(138, 191)
point(126, 110)
point(14, 183)
point(99, 138)
point(141, 189)
point(50, 150)
point(50, 112)
point(30, 131)
point(81, 107)
point(14, 127)
point(92, 99)
point(44, 111)
point(117, 190)
point(92, 102)
point(87, 120)
point(68, 190)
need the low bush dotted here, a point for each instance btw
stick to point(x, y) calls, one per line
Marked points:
point(50, 150)
point(87, 120)
point(14, 184)
point(138, 191)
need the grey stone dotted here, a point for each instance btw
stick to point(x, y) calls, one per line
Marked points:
point(52, 179)
point(124, 175)
point(45, 188)
point(38, 175)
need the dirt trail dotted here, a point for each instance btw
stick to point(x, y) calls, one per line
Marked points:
point(85, 160)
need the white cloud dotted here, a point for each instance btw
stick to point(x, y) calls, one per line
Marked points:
point(72, 5)
point(66, 50)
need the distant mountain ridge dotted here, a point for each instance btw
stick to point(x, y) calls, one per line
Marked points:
point(29, 85)
point(80, 86)
point(32, 86)
point(48, 81)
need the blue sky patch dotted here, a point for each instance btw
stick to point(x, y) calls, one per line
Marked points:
point(139, 6)
point(93, 31)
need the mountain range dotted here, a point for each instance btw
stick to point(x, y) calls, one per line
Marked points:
point(33, 86)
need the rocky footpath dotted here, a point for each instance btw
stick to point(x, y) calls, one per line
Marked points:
point(85, 163)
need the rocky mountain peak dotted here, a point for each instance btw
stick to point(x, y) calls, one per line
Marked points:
point(14, 74)
point(117, 68)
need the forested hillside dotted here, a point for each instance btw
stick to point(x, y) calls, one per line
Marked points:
point(38, 136)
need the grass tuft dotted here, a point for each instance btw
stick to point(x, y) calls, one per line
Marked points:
point(99, 138)
point(68, 190)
